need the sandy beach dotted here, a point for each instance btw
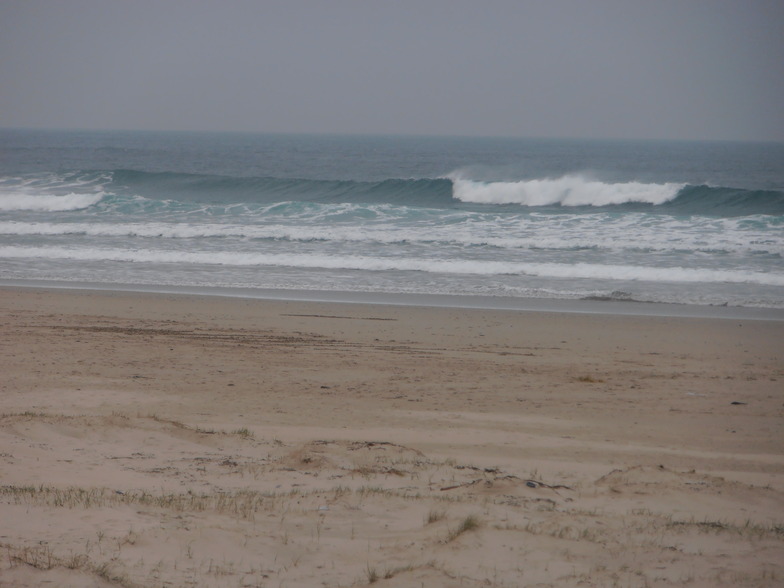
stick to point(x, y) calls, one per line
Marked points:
point(173, 440)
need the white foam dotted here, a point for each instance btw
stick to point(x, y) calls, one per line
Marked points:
point(629, 232)
point(442, 266)
point(570, 190)
point(211, 230)
point(48, 202)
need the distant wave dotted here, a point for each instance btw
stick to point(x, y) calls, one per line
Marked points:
point(222, 189)
point(572, 192)
point(728, 201)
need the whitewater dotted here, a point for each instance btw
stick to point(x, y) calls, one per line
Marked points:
point(681, 223)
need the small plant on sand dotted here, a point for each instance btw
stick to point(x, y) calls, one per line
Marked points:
point(470, 523)
point(172, 422)
point(434, 516)
point(244, 432)
point(589, 380)
point(392, 572)
point(372, 574)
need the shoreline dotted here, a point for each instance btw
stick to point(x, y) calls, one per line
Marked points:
point(477, 302)
point(178, 438)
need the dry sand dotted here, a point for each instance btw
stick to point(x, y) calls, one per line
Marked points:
point(157, 440)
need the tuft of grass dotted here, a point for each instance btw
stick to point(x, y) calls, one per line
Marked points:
point(470, 523)
point(372, 575)
point(172, 422)
point(244, 432)
point(434, 516)
point(180, 425)
point(589, 380)
point(392, 572)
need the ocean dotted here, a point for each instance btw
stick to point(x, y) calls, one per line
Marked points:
point(689, 223)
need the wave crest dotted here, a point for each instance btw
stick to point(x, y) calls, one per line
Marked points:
point(49, 202)
point(571, 190)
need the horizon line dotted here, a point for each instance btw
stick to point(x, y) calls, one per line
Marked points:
point(391, 134)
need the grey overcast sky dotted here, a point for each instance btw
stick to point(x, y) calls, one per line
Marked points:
point(659, 69)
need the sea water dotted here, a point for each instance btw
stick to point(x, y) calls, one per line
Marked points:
point(689, 222)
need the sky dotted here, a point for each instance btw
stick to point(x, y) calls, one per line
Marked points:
point(630, 69)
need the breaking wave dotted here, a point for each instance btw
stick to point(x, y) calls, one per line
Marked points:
point(571, 192)
point(565, 191)
point(48, 202)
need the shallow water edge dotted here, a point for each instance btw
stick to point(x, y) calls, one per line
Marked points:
point(608, 307)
